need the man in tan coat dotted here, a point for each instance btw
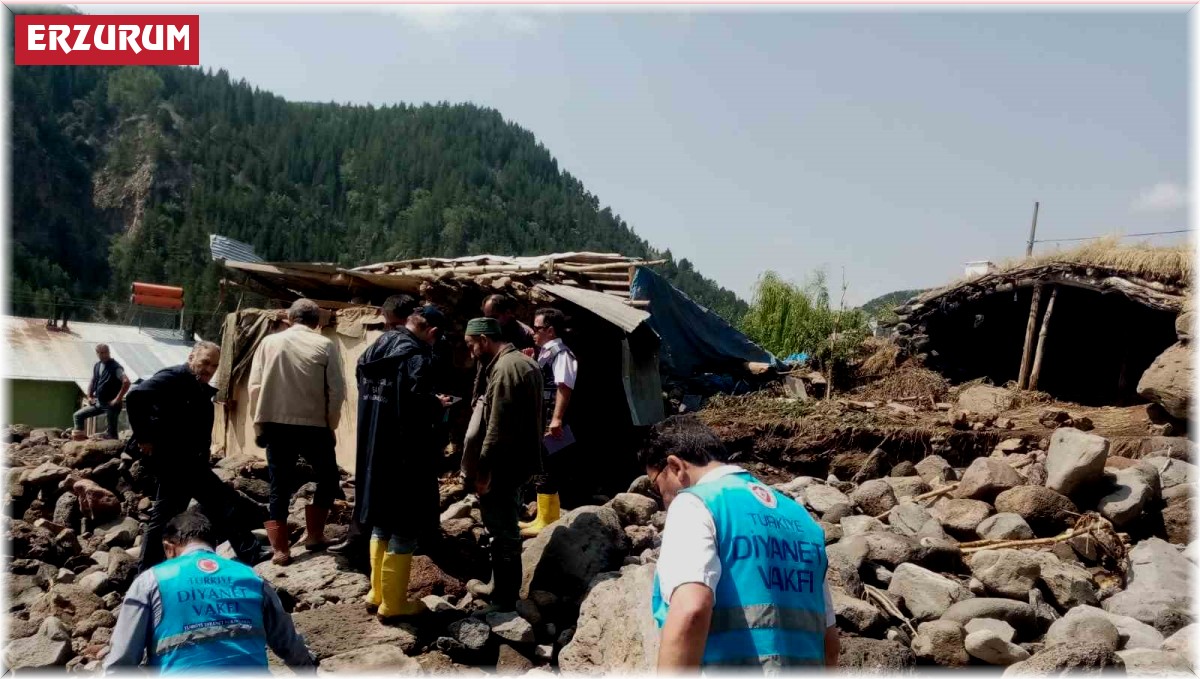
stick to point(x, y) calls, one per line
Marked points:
point(296, 396)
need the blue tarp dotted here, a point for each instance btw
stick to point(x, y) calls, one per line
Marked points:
point(694, 339)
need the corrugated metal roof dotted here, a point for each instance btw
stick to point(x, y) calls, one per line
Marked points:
point(608, 307)
point(37, 353)
point(231, 250)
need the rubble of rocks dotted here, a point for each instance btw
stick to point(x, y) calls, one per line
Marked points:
point(930, 565)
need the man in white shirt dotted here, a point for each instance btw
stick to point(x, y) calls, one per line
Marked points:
point(740, 577)
point(559, 369)
point(296, 396)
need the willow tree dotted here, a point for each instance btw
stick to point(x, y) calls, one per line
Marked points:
point(786, 318)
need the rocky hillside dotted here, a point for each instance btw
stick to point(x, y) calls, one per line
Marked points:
point(1048, 554)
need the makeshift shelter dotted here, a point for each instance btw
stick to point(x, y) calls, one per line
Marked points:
point(1082, 325)
point(48, 370)
point(618, 388)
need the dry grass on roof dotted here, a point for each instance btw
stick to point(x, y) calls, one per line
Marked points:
point(1172, 264)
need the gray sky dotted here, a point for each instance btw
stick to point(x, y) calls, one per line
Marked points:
point(895, 144)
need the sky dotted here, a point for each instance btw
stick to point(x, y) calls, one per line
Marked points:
point(886, 147)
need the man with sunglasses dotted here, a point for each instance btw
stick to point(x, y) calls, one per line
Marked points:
point(740, 579)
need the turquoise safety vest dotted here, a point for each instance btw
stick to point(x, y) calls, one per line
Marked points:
point(769, 606)
point(212, 615)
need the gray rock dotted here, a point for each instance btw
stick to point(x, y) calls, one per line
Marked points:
point(1158, 589)
point(887, 548)
point(96, 582)
point(882, 575)
point(634, 509)
point(371, 659)
point(1016, 613)
point(1168, 380)
point(510, 663)
point(1134, 488)
point(511, 627)
point(615, 632)
point(1047, 512)
point(935, 470)
point(837, 512)
point(1181, 641)
point(1004, 526)
point(1172, 472)
point(459, 510)
point(50, 646)
point(794, 488)
point(854, 614)
point(859, 524)
point(913, 519)
point(941, 642)
point(927, 595)
point(1006, 572)
point(322, 576)
point(960, 517)
point(47, 474)
point(1144, 662)
point(642, 486)
point(470, 632)
point(874, 655)
point(845, 560)
point(874, 497)
point(1075, 459)
point(987, 477)
point(821, 498)
point(565, 557)
point(997, 627)
point(832, 533)
point(1069, 585)
point(1133, 633)
point(907, 486)
point(1069, 630)
point(437, 604)
point(985, 400)
point(992, 648)
point(1081, 657)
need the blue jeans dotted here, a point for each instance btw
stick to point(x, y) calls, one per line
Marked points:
point(112, 414)
point(397, 544)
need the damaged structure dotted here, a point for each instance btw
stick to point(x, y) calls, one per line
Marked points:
point(1098, 325)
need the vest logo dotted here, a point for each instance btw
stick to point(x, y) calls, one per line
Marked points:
point(208, 565)
point(764, 495)
point(106, 40)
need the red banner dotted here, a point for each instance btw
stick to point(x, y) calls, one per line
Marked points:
point(107, 39)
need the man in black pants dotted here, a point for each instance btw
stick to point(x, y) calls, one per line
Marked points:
point(172, 416)
point(105, 393)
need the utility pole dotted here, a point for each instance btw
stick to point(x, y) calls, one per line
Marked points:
point(1032, 232)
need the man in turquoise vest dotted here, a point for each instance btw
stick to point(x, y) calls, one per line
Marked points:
point(740, 580)
point(199, 612)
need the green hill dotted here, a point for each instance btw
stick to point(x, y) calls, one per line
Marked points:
point(881, 306)
point(120, 174)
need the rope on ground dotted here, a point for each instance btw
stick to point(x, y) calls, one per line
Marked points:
point(882, 601)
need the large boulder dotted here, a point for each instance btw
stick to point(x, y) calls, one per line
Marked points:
point(1132, 633)
point(1081, 657)
point(1018, 614)
point(821, 498)
point(935, 470)
point(634, 509)
point(1075, 459)
point(1006, 572)
point(370, 660)
point(927, 595)
point(1068, 630)
point(337, 628)
point(1172, 472)
point(1046, 511)
point(987, 477)
point(992, 648)
point(568, 554)
point(1181, 641)
point(315, 579)
point(90, 453)
point(50, 646)
point(1144, 662)
point(960, 517)
point(1133, 489)
point(873, 497)
point(887, 548)
point(615, 631)
point(914, 520)
point(1158, 591)
point(845, 560)
point(854, 614)
point(1069, 585)
point(874, 655)
point(940, 642)
point(985, 400)
point(67, 602)
point(1168, 380)
point(1004, 526)
point(907, 486)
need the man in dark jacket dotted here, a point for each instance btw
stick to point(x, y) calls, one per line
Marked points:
point(106, 391)
point(508, 455)
point(397, 493)
point(172, 417)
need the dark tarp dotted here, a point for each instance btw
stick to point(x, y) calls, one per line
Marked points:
point(694, 339)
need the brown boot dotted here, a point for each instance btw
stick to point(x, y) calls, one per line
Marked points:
point(314, 522)
point(277, 534)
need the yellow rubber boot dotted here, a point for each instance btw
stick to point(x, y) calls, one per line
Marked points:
point(547, 514)
point(378, 550)
point(396, 569)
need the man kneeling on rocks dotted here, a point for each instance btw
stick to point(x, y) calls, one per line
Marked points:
point(201, 612)
point(740, 580)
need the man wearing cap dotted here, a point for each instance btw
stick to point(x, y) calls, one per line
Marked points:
point(397, 473)
point(512, 426)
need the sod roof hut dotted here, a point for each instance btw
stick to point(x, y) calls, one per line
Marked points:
point(1084, 325)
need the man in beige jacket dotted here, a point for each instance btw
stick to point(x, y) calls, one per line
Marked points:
point(296, 396)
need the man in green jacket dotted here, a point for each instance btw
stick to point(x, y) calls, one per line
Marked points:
point(512, 438)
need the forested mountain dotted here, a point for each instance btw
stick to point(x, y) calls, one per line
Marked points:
point(120, 174)
point(881, 306)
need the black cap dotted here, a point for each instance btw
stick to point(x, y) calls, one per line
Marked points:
point(432, 315)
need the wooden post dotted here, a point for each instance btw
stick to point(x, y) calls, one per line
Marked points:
point(1026, 354)
point(1041, 345)
point(1032, 232)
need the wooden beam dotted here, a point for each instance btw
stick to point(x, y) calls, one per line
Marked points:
point(1041, 344)
point(624, 283)
point(1026, 354)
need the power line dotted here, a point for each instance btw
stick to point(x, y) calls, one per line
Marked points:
point(1127, 235)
